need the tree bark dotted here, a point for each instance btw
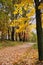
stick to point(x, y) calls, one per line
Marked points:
point(2, 36)
point(16, 36)
point(20, 37)
point(12, 34)
point(24, 37)
point(8, 35)
point(39, 30)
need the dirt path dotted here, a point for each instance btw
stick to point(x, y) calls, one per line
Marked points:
point(9, 55)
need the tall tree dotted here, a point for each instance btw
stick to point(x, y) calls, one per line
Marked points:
point(7, 8)
point(39, 29)
point(21, 15)
point(4, 23)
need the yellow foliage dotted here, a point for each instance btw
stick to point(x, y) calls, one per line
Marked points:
point(32, 26)
point(31, 13)
point(22, 27)
point(41, 6)
point(29, 1)
point(15, 12)
point(20, 11)
point(14, 23)
point(20, 22)
point(22, 19)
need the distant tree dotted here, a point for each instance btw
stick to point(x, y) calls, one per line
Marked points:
point(7, 8)
point(4, 22)
point(21, 16)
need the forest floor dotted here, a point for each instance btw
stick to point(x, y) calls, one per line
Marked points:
point(19, 55)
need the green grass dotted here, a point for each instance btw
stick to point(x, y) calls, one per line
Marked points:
point(8, 43)
point(35, 46)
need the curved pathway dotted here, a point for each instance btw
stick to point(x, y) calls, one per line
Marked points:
point(9, 55)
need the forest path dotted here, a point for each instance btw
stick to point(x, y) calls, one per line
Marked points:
point(10, 55)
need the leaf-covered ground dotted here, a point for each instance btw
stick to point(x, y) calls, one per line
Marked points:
point(18, 55)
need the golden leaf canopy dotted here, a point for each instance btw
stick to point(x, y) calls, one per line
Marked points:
point(41, 6)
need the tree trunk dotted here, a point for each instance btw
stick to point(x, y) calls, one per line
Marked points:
point(16, 37)
point(8, 35)
point(2, 36)
point(39, 30)
point(12, 34)
point(24, 37)
point(20, 37)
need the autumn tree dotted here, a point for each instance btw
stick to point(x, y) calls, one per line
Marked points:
point(22, 15)
point(4, 20)
point(7, 8)
point(39, 29)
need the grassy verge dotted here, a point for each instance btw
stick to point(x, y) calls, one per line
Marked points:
point(35, 46)
point(8, 43)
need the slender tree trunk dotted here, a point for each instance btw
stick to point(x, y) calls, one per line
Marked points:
point(16, 37)
point(8, 35)
point(13, 29)
point(2, 36)
point(24, 37)
point(12, 34)
point(20, 37)
point(39, 30)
